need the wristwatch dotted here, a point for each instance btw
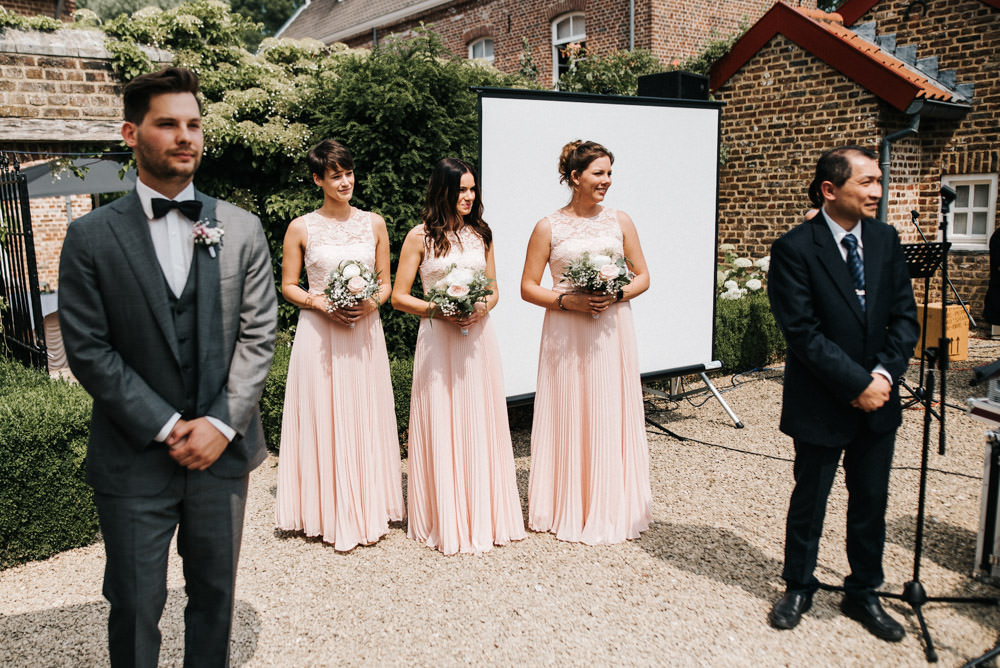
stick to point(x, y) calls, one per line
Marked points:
point(559, 301)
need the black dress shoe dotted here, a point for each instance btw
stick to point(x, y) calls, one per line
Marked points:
point(787, 612)
point(873, 617)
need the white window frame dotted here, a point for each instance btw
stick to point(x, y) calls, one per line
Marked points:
point(558, 43)
point(482, 40)
point(976, 242)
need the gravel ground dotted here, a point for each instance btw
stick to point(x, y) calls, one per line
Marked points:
point(694, 590)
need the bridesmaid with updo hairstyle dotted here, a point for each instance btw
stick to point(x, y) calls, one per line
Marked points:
point(589, 456)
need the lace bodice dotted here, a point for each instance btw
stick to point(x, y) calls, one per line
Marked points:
point(467, 250)
point(330, 242)
point(571, 236)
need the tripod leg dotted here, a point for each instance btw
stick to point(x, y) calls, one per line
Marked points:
point(929, 650)
point(729, 411)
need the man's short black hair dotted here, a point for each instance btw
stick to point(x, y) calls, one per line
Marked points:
point(833, 166)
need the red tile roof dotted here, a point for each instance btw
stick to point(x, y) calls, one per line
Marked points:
point(824, 36)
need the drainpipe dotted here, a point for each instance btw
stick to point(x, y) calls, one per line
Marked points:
point(885, 160)
point(631, 25)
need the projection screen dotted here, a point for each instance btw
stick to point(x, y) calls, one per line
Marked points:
point(664, 177)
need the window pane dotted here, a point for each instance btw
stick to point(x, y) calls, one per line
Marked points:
point(563, 29)
point(979, 223)
point(961, 223)
point(962, 199)
point(579, 27)
point(981, 195)
point(487, 48)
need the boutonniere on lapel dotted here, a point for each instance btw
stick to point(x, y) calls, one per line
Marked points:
point(208, 233)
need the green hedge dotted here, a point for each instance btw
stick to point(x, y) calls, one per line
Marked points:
point(273, 399)
point(746, 335)
point(46, 505)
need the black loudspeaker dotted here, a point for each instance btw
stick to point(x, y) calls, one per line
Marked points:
point(676, 84)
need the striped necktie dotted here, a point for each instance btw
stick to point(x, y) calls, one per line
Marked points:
point(855, 266)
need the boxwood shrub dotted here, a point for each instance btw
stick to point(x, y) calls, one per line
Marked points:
point(746, 334)
point(46, 505)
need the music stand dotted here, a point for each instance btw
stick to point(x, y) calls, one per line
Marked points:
point(923, 260)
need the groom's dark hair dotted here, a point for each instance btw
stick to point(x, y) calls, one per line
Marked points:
point(833, 166)
point(140, 90)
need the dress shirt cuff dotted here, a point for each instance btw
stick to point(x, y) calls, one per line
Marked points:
point(881, 370)
point(225, 429)
point(161, 436)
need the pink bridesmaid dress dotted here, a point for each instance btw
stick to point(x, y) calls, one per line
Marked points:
point(461, 487)
point(339, 464)
point(589, 478)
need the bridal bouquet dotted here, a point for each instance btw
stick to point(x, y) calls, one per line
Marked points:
point(350, 283)
point(603, 273)
point(459, 291)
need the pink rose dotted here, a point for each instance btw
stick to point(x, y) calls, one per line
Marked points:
point(610, 271)
point(357, 285)
point(458, 290)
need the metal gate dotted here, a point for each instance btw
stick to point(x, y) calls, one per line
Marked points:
point(20, 298)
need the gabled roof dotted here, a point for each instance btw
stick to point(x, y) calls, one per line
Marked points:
point(334, 20)
point(852, 10)
point(824, 36)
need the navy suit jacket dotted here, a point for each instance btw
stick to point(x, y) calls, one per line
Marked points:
point(833, 345)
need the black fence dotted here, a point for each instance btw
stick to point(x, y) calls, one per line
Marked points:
point(20, 298)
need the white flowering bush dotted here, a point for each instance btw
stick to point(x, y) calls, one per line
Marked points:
point(737, 276)
point(746, 334)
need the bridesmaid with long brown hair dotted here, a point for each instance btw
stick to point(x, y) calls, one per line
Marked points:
point(461, 486)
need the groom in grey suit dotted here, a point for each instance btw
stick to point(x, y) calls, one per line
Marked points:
point(168, 310)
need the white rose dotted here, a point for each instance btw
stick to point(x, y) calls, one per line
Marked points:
point(459, 276)
point(350, 271)
point(731, 285)
point(754, 285)
point(356, 285)
point(598, 261)
point(764, 263)
point(742, 263)
point(457, 290)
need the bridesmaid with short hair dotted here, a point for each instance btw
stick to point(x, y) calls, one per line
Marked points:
point(339, 464)
point(461, 487)
point(589, 456)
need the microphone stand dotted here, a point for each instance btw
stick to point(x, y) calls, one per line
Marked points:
point(914, 217)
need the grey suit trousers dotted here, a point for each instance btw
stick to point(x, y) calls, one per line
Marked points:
point(208, 512)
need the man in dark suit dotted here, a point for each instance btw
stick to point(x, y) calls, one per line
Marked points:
point(171, 331)
point(841, 293)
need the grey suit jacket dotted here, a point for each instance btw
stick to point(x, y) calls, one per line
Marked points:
point(120, 341)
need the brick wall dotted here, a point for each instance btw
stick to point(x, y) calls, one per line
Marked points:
point(784, 107)
point(668, 28)
point(41, 8)
point(48, 225)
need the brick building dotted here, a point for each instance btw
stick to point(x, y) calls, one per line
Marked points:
point(495, 29)
point(926, 74)
point(57, 9)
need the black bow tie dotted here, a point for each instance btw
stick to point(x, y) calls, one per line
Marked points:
point(190, 208)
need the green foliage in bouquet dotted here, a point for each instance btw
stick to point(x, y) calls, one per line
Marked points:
point(46, 505)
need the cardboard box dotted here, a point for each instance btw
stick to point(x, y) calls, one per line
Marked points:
point(956, 329)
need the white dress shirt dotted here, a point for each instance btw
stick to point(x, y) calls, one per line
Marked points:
point(173, 241)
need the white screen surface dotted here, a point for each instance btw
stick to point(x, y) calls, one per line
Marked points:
point(664, 177)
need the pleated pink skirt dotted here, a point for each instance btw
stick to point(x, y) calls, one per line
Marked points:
point(339, 464)
point(589, 478)
point(461, 487)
